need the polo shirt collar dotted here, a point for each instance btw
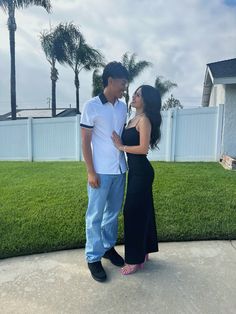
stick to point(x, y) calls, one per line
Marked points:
point(103, 99)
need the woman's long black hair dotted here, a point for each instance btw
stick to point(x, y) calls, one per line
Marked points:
point(152, 109)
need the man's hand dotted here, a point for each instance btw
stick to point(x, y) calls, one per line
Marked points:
point(93, 180)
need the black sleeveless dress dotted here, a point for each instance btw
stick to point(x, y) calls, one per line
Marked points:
point(139, 216)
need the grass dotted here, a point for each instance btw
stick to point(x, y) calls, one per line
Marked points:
point(43, 205)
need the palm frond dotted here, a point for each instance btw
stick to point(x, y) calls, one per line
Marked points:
point(136, 68)
point(125, 60)
point(164, 86)
point(56, 44)
point(4, 5)
point(133, 67)
point(87, 57)
point(46, 38)
point(21, 4)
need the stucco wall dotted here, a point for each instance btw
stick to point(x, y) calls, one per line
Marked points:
point(217, 95)
point(229, 130)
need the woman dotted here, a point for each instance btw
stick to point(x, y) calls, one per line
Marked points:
point(142, 132)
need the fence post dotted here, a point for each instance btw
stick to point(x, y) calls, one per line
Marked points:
point(77, 138)
point(30, 144)
point(169, 126)
point(219, 131)
point(173, 133)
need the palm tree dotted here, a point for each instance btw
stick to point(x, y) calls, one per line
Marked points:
point(53, 45)
point(80, 56)
point(97, 83)
point(164, 86)
point(10, 6)
point(134, 69)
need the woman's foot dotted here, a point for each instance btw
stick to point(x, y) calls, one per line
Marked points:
point(145, 260)
point(130, 269)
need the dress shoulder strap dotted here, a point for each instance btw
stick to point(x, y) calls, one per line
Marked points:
point(137, 122)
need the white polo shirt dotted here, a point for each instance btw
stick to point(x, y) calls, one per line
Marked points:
point(103, 118)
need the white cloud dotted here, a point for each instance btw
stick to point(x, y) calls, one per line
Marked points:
point(178, 37)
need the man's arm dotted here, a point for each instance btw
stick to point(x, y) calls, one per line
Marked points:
point(86, 135)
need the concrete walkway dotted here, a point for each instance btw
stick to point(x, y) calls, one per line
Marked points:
point(184, 277)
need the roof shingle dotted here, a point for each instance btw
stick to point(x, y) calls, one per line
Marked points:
point(225, 68)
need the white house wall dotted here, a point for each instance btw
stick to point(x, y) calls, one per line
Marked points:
point(229, 133)
point(217, 95)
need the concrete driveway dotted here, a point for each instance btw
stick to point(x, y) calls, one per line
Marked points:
point(184, 277)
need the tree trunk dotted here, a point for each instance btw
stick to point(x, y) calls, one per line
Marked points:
point(12, 29)
point(127, 96)
point(53, 98)
point(77, 86)
point(54, 78)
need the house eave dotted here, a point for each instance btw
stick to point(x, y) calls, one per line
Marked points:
point(225, 80)
point(208, 83)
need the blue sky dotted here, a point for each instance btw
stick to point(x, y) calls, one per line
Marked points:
point(178, 37)
point(230, 2)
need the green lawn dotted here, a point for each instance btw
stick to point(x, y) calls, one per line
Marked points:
point(43, 204)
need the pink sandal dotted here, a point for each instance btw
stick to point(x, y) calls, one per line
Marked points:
point(130, 269)
point(145, 260)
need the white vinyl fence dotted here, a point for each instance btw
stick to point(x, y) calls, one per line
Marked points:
point(190, 135)
point(187, 135)
point(41, 139)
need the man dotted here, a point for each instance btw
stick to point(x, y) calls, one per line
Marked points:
point(106, 168)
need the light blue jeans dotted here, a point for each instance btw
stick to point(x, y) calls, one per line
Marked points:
point(102, 213)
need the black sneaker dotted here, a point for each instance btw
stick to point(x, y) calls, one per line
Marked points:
point(97, 271)
point(114, 257)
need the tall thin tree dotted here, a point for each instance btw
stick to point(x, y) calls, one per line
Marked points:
point(134, 69)
point(53, 45)
point(9, 6)
point(80, 56)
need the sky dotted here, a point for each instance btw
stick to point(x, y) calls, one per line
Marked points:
point(178, 37)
